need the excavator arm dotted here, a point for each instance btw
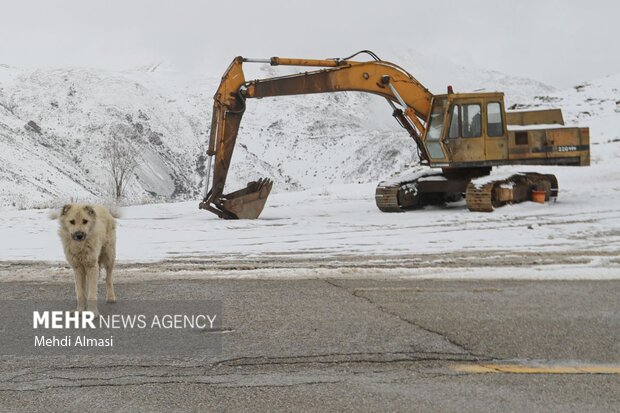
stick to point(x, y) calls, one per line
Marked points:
point(377, 77)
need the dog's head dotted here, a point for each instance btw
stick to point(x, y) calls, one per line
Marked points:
point(78, 220)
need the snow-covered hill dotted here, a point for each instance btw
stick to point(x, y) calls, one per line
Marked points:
point(299, 142)
point(74, 113)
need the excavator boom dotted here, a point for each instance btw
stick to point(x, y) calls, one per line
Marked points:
point(377, 77)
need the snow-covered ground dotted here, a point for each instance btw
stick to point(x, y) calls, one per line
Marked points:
point(577, 236)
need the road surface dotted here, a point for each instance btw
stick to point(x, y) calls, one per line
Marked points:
point(344, 344)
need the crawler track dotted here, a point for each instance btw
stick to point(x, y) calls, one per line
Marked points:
point(515, 189)
point(386, 197)
point(480, 198)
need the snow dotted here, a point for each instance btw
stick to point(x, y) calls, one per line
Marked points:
point(419, 173)
point(327, 223)
point(495, 175)
point(541, 126)
point(325, 163)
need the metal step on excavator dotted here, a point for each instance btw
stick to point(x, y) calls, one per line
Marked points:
point(460, 137)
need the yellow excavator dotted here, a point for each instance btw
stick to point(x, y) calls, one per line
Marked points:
point(459, 136)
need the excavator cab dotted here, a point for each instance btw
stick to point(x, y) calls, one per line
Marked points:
point(466, 129)
point(473, 130)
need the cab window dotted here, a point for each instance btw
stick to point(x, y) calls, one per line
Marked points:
point(495, 125)
point(436, 122)
point(435, 129)
point(454, 122)
point(471, 121)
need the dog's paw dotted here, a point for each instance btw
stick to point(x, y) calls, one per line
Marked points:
point(110, 300)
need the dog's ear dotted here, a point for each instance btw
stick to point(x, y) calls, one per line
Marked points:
point(90, 210)
point(65, 209)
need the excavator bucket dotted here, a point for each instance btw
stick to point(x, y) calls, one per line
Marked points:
point(248, 203)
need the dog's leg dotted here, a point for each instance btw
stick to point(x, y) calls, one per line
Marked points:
point(110, 297)
point(91, 281)
point(80, 288)
point(106, 260)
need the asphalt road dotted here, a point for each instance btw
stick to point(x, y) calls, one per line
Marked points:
point(350, 345)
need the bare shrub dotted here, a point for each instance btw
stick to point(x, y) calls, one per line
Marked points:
point(121, 162)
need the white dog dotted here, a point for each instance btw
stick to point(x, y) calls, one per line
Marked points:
point(88, 234)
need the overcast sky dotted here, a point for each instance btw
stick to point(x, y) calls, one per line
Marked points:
point(558, 42)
